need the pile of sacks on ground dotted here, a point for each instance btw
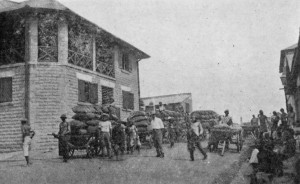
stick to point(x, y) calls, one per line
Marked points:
point(140, 120)
point(87, 117)
point(208, 118)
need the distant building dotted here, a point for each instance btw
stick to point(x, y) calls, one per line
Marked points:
point(176, 102)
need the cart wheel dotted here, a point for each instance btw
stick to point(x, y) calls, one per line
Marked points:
point(241, 145)
point(223, 149)
point(98, 150)
point(90, 152)
point(150, 144)
point(70, 152)
point(238, 147)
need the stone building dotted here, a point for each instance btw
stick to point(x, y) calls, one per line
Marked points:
point(52, 59)
point(177, 102)
point(289, 68)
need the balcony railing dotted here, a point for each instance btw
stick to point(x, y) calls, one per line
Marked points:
point(81, 60)
point(47, 54)
point(105, 68)
point(12, 56)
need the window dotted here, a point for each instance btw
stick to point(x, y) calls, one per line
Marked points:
point(126, 65)
point(6, 89)
point(128, 100)
point(87, 92)
point(107, 95)
point(187, 107)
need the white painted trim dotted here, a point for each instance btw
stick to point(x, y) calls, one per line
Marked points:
point(7, 74)
point(125, 88)
point(84, 77)
point(107, 83)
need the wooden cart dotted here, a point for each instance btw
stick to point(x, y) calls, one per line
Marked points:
point(88, 142)
point(145, 136)
point(230, 135)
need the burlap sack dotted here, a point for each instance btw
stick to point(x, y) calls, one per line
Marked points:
point(98, 109)
point(92, 129)
point(82, 131)
point(77, 124)
point(139, 119)
point(93, 123)
point(84, 116)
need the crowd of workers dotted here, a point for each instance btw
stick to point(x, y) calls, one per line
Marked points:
point(123, 137)
point(275, 142)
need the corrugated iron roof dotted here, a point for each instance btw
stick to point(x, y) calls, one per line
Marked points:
point(7, 4)
point(292, 47)
point(47, 4)
point(284, 53)
point(53, 4)
point(167, 99)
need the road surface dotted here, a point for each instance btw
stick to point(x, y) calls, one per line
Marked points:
point(137, 168)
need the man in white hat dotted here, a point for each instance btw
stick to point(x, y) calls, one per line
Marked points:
point(157, 125)
point(27, 135)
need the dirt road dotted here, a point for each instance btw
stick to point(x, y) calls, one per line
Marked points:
point(137, 168)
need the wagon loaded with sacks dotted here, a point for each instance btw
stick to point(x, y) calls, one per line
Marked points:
point(84, 128)
point(141, 120)
point(224, 135)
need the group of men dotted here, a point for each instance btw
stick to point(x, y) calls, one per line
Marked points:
point(278, 122)
point(111, 139)
point(109, 136)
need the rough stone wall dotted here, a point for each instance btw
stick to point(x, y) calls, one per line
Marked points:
point(46, 81)
point(12, 112)
point(53, 91)
point(128, 79)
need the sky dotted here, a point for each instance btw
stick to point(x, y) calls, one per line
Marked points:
point(225, 52)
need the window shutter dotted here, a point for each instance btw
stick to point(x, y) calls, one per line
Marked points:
point(1, 90)
point(120, 59)
point(6, 89)
point(131, 101)
point(94, 93)
point(81, 92)
point(125, 106)
point(129, 65)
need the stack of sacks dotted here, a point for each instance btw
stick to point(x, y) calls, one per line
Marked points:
point(220, 132)
point(140, 120)
point(208, 118)
point(110, 111)
point(82, 115)
point(222, 126)
point(205, 114)
point(87, 118)
point(208, 123)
